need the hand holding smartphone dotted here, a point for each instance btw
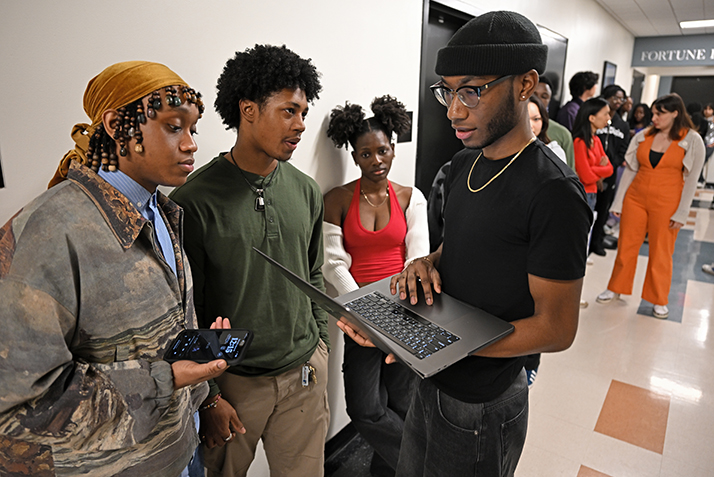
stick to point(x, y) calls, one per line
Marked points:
point(204, 346)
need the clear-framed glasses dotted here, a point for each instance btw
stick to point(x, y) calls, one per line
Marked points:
point(468, 95)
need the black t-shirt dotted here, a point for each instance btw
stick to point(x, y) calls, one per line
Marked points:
point(615, 138)
point(533, 219)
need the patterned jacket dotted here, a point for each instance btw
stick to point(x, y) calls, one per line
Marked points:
point(87, 308)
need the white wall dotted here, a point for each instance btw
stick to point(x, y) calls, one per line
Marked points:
point(654, 86)
point(593, 35)
point(49, 50)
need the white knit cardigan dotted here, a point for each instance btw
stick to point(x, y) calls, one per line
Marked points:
point(336, 268)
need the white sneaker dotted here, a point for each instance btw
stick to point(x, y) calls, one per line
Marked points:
point(708, 268)
point(660, 311)
point(589, 261)
point(607, 296)
point(583, 304)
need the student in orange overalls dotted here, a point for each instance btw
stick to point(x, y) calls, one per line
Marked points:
point(653, 198)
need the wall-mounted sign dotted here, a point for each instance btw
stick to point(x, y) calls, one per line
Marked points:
point(687, 50)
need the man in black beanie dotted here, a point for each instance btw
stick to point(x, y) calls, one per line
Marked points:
point(515, 234)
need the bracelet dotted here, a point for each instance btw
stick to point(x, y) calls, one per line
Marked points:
point(418, 258)
point(211, 404)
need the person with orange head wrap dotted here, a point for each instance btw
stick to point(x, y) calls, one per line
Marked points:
point(94, 284)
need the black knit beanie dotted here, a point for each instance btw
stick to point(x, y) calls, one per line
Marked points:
point(495, 43)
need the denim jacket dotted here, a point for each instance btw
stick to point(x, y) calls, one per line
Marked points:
point(88, 307)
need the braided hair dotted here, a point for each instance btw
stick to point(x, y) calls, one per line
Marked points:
point(127, 126)
point(348, 123)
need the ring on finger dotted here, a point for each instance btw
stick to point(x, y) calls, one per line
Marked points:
point(227, 439)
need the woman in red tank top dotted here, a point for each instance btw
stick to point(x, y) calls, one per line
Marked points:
point(372, 227)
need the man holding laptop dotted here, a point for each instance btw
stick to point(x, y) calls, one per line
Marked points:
point(516, 225)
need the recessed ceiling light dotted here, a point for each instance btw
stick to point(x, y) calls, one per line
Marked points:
point(697, 24)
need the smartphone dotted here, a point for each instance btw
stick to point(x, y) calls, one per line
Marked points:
point(203, 346)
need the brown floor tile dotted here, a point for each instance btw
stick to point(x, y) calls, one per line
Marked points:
point(588, 472)
point(634, 415)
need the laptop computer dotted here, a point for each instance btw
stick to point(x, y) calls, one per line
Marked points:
point(427, 338)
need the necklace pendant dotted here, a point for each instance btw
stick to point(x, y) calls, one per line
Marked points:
point(259, 201)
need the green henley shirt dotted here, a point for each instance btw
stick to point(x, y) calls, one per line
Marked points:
point(231, 280)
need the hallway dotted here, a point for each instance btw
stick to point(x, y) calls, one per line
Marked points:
point(634, 395)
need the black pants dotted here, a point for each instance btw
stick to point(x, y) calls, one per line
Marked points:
point(602, 207)
point(378, 396)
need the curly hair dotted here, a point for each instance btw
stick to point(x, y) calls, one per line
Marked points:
point(348, 123)
point(645, 120)
point(259, 72)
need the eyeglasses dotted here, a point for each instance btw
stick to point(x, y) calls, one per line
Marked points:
point(468, 95)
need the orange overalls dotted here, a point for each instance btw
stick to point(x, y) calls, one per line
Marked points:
point(649, 203)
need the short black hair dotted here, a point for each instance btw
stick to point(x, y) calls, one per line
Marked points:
point(545, 80)
point(581, 82)
point(612, 90)
point(259, 72)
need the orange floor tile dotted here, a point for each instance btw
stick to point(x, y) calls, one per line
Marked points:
point(588, 472)
point(634, 415)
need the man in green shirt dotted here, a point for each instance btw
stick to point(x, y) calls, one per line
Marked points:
point(250, 197)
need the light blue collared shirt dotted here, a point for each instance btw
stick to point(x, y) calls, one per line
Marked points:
point(145, 203)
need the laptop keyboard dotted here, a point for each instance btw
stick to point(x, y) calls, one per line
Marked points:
point(417, 335)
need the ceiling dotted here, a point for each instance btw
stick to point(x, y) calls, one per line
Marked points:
point(660, 17)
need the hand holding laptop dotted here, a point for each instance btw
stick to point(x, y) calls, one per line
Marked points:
point(361, 339)
point(428, 336)
point(422, 269)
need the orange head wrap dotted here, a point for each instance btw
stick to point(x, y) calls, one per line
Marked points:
point(116, 86)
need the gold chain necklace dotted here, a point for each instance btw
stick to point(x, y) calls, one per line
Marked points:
point(370, 202)
point(468, 180)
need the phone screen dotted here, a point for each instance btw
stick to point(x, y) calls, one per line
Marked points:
point(203, 346)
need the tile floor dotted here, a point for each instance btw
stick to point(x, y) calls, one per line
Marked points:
point(634, 395)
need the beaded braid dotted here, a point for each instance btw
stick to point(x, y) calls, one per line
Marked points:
point(127, 126)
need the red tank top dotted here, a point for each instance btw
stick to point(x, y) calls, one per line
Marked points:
point(375, 254)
